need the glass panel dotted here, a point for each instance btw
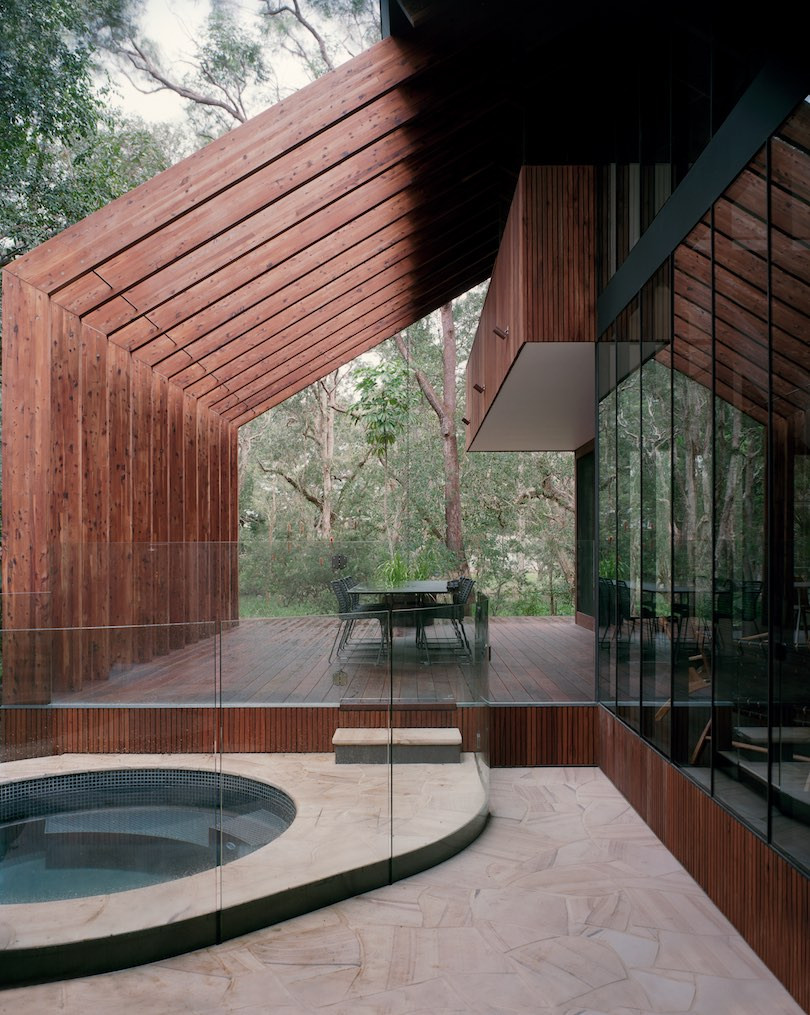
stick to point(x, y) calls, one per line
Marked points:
point(110, 782)
point(660, 615)
point(607, 625)
point(691, 99)
point(790, 570)
point(739, 733)
point(440, 774)
point(628, 499)
point(692, 499)
point(656, 134)
point(585, 527)
point(303, 699)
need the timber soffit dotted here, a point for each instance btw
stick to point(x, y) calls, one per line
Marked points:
point(303, 238)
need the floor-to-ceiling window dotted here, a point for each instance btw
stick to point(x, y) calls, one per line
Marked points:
point(704, 498)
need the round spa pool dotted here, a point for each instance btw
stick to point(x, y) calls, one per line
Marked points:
point(93, 833)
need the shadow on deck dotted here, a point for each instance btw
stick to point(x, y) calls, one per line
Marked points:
point(286, 661)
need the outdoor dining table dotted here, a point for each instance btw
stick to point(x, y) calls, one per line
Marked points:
point(422, 592)
point(410, 595)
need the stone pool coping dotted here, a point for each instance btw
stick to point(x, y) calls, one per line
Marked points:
point(339, 845)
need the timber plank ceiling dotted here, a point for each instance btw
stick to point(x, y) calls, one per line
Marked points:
point(342, 214)
point(303, 238)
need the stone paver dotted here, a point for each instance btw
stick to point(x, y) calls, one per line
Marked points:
point(566, 905)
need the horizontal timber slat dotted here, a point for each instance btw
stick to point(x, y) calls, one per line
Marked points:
point(224, 162)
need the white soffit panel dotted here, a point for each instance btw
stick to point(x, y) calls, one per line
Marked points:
point(546, 402)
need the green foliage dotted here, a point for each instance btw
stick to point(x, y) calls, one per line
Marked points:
point(395, 570)
point(47, 187)
point(430, 561)
point(294, 575)
point(45, 76)
point(517, 508)
point(291, 577)
point(383, 404)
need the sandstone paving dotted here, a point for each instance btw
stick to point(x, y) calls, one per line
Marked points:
point(567, 904)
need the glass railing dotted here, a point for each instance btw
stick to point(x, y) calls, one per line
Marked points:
point(235, 771)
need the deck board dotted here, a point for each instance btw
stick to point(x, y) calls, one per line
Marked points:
point(286, 661)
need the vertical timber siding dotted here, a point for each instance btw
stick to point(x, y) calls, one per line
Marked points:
point(766, 899)
point(543, 286)
point(107, 465)
point(523, 735)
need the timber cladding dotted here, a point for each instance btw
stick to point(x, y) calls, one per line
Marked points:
point(119, 499)
point(517, 736)
point(529, 735)
point(764, 896)
point(543, 286)
point(29, 732)
point(138, 340)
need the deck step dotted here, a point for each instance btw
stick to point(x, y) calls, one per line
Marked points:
point(413, 745)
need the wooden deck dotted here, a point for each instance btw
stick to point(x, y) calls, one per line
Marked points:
point(286, 661)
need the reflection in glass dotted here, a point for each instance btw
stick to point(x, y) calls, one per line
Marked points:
point(790, 442)
point(704, 518)
point(740, 274)
point(628, 508)
point(659, 623)
point(692, 472)
point(607, 592)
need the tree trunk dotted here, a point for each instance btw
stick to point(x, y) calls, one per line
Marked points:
point(327, 392)
point(452, 472)
point(445, 409)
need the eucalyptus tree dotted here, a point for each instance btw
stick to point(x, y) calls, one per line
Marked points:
point(298, 461)
point(246, 57)
point(383, 407)
point(63, 154)
point(442, 399)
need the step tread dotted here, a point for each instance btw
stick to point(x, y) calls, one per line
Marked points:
point(403, 737)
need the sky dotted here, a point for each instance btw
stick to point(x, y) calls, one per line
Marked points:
point(173, 25)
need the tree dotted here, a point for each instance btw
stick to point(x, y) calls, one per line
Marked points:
point(232, 72)
point(45, 76)
point(62, 155)
point(304, 447)
point(444, 406)
point(47, 187)
point(228, 78)
point(383, 407)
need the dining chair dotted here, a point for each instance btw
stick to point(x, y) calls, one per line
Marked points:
point(350, 610)
point(801, 611)
point(455, 613)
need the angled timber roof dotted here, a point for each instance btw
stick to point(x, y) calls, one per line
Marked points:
point(301, 239)
point(344, 213)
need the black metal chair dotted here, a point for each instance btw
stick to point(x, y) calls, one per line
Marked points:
point(623, 611)
point(350, 610)
point(649, 611)
point(607, 607)
point(750, 607)
point(455, 613)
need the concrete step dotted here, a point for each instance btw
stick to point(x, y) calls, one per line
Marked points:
point(421, 745)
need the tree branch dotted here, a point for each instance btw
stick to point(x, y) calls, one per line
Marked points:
point(296, 12)
point(142, 62)
point(427, 388)
point(436, 533)
point(348, 480)
point(548, 490)
point(295, 484)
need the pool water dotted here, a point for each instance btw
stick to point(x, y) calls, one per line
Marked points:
point(96, 836)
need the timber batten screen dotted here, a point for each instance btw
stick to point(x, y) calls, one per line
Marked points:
point(137, 341)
